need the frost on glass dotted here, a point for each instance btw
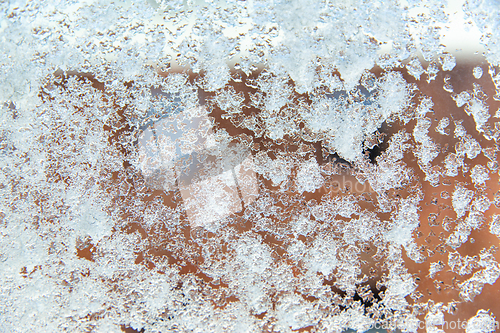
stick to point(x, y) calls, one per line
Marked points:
point(249, 166)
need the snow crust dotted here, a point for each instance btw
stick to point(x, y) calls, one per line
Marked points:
point(244, 166)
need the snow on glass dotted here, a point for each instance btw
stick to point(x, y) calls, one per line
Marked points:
point(248, 166)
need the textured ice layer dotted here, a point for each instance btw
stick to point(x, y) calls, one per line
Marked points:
point(247, 166)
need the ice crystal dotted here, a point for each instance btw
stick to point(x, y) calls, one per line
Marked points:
point(461, 199)
point(442, 125)
point(477, 72)
point(473, 286)
point(483, 321)
point(435, 267)
point(415, 68)
point(433, 319)
point(309, 176)
point(495, 225)
point(448, 62)
point(479, 174)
